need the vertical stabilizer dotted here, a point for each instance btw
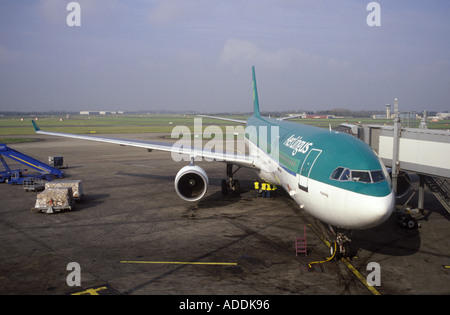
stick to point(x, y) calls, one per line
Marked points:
point(255, 96)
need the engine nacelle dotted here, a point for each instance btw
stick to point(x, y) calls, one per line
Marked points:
point(191, 183)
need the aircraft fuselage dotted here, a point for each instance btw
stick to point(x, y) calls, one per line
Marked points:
point(335, 177)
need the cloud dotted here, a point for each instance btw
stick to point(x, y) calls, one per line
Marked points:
point(166, 11)
point(170, 11)
point(238, 53)
point(241, 52)
point(53, 11)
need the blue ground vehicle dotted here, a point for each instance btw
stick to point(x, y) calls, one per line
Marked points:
point(17, 176)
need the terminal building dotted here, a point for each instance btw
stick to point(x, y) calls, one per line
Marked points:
point(101, 112)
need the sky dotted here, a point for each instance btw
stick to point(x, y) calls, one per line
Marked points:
point(182, 55)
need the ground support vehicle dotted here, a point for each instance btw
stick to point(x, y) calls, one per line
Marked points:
point(54, 199)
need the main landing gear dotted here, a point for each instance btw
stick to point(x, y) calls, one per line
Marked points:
point(230, 185)
point(341, 248)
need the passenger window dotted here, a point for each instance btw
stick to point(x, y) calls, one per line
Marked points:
point(337, 173)
point(378, 176)
point(361, 176)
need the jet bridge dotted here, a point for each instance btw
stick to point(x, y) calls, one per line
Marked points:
point(425, 151)
point(418, 150)
point(422, 151)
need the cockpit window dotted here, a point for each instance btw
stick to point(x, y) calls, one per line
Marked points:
point(377, 176)
point(344, 174)
point(361, 176)
point(337, 173)
point(341, 173)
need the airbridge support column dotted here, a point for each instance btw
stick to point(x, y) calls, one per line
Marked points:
point(420, 204)
point(395, 160)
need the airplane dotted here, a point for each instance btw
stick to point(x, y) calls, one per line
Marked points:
point(333, 176)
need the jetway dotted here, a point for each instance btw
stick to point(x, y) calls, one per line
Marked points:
point(425, 151)
point(418, 150)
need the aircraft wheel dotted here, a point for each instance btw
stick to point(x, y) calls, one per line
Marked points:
point(407, 221)
point(224, 187)
point(237, 188)
point(347, 249)
point(411, 223)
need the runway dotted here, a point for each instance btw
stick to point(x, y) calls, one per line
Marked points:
point(132, 234)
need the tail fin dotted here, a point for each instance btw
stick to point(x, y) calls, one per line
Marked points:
point(36, 128)
point(255, 96)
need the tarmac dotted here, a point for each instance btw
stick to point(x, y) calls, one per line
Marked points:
point(132, 234)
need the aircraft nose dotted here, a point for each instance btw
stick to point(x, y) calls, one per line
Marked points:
point(381, 209)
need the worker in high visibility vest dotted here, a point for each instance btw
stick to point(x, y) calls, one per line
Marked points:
point(257, 188)
point(264, 189)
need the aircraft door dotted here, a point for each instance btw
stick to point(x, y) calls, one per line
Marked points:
point(307, 166)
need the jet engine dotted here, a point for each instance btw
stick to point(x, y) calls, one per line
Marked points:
point(191, 183)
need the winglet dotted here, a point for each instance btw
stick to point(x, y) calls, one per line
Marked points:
point(255, 96)
point(36, 128)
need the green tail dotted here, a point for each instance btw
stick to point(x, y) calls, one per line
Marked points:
point(255, 96)
point(36, 128)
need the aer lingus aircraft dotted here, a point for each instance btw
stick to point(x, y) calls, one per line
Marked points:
point(333, 176)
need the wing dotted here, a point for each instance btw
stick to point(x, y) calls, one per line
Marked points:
point(227, 119)
point(177, 148)
point(290, 117)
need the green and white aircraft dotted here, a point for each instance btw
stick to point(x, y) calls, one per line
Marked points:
point(333, 176)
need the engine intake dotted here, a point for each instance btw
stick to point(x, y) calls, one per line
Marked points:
point(191, 183)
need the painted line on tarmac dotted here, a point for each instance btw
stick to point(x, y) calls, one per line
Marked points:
point(177, 262)
point(325, 241)
point(354, 271)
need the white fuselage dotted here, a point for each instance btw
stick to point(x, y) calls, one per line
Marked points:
point(330, 204)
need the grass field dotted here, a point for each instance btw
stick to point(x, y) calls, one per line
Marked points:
point(14, 126)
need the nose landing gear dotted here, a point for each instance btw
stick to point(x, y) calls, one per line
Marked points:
point(341, 248)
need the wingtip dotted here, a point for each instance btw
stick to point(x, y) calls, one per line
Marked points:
point(36, 128)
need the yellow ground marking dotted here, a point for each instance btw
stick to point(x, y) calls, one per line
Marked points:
point(90, 291)
point(177, 262)
point(360, 277)
point(354, 271)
